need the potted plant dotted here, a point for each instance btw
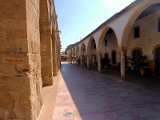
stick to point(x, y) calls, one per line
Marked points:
point(129, 63)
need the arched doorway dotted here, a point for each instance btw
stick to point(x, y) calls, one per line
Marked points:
point(74, 55)
point(142, 31)
point(77, 55)
point(137, 55)
point(114, 58)
point(108, 47)
point(83, 55)
point(158, 61)
point(92, 54)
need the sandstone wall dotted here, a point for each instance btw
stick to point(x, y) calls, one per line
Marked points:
point(33, 37)
point(46, 42)
point(17, 77)
point(149, 35)
point(149, 38)
point(24, 30)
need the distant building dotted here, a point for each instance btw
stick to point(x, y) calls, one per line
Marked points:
point(63, 56)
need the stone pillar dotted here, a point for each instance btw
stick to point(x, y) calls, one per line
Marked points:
point(122, 64)
point(20, 73)
point(81, 60)
point(54, 54)
point(71, 56)
point(99, 62)
point(76, 59)
point(46, 44)
point(88, 60)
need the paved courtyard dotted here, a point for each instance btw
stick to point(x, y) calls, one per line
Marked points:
point(93, 96)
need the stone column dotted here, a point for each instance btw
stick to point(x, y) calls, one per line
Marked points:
point(76, 59)
point(88, 60)
point(99, 62)
point(122, 65)
point(54, 53)
point(71, 57)
point(46, 44)
point(81, 60)
point(20, 62)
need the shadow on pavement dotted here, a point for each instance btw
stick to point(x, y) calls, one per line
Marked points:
point(101, 97)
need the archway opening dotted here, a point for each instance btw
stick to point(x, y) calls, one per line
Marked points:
point(109, 50)
point(77, 55)
point(83, 55)
point(92, 54)
point(73, 56)
point(142, 33)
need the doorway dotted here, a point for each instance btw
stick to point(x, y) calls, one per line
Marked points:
point(137, 60)
point(114, 58)
point(158, 61)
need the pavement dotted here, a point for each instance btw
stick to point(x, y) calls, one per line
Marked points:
point(89, 95)
point(49, 94)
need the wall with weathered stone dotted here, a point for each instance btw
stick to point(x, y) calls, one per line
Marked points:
point(55, 45)
point(20, 57)
point(46, 42)
point(33, 37)
point(19, 74)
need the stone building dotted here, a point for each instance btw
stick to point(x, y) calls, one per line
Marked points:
point(128, 41)
point(29, 56)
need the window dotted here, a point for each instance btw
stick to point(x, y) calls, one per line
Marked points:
point(159, 25)
point(137, 32)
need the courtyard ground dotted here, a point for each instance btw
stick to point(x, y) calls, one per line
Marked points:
point(89, 95)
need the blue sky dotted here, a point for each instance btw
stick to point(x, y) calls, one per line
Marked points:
point(77, 18)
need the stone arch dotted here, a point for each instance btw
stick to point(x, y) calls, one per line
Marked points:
point(140, 8)
point(102, 37)
point(83, 55)
point(77, 51)
point(83, 49)
point(89, 47)
point(92, 53)
point(77, 55)
point(140, 18)
point(107, 44)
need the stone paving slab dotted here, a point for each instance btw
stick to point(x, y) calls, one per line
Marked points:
point(93, 96)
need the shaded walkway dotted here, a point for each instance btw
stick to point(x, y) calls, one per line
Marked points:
point(93, 96)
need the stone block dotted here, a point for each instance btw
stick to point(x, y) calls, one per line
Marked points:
point(7, 70)
point(2, 85)
point(17, 83)
point(12, 9)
